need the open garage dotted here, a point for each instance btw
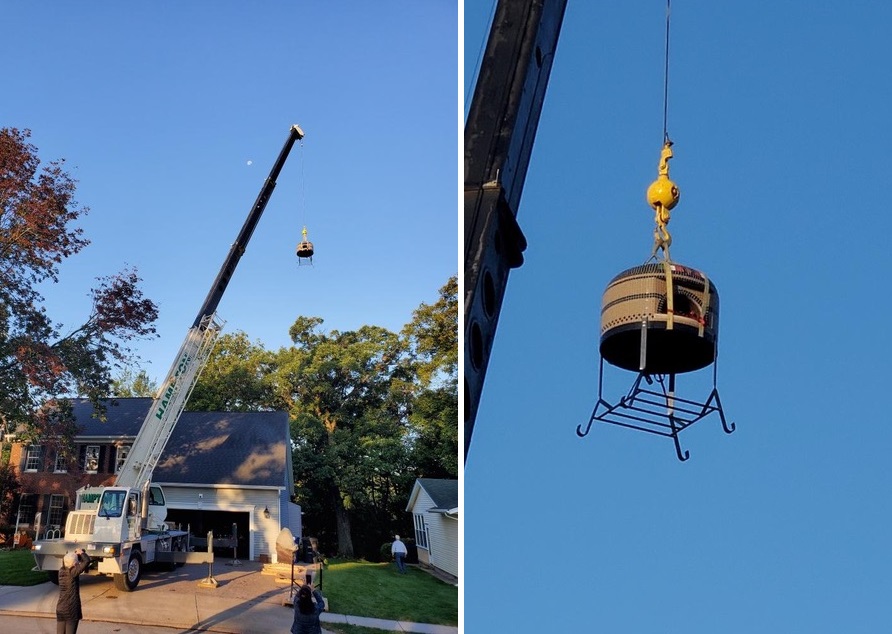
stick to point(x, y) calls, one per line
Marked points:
point(221, 524)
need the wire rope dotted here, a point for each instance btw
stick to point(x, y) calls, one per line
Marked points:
point(666, 78)
point(303, 181)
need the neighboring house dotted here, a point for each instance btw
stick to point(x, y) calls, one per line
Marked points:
point(434, 507)
point(219, 470)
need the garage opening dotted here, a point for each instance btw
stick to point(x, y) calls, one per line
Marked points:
point(220, 523)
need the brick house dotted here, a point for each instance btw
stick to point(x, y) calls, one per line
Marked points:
point(220, 471)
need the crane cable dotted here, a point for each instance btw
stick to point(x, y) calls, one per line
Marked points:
point(304, 245)
point(666, 78)
point(663, 194)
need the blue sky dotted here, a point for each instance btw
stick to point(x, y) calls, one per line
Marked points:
point(158, 109)
point(779, 114)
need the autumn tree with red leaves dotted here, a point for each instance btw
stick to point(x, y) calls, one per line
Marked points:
point(43, 363)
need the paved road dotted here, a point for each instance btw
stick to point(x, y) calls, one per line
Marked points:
point(244, 601)
point(37, 625)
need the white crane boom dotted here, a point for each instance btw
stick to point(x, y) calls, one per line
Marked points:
point(165, 411)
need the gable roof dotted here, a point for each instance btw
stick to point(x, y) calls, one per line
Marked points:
point(444, 494)
point(237, 448)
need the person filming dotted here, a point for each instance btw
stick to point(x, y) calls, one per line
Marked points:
point(68, 608)
point(307, 608)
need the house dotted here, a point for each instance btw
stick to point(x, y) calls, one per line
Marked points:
point(224, 472)
point(434, 507)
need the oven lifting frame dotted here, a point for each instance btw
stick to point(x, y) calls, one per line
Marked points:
point(679, 413)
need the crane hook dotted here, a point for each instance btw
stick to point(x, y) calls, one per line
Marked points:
point(662, 196)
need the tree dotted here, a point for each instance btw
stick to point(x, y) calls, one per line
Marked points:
point(235, 378)
point(128, 385)
point(40, 365)
point(433, 333)
point(433, 338)
point(434, 419)
point(345, 392)
point(9, 488)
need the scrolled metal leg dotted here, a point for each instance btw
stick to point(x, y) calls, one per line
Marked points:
point(682, 455)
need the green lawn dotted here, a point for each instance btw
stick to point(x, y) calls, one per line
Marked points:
point(375, 590)
point(15, 569)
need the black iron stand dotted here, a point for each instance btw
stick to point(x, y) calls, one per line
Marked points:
point(656, 412)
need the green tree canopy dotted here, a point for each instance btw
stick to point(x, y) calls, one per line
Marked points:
point(346, 395)
point(129, 385)
point(433, 340)
point(235, 378)
point(370, 411)
point(433, 334)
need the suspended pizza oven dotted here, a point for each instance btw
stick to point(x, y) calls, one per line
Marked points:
point(305, 249)
point(660, 318)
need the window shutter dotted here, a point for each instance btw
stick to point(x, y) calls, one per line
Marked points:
point(103, 457)
point(44, 510)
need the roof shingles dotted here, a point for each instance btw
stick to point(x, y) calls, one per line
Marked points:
point(237, 448)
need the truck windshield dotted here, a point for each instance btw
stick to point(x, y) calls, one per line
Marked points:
point(112, 503)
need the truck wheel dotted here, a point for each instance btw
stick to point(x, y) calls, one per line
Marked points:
point(128, 581)
point(54, 576)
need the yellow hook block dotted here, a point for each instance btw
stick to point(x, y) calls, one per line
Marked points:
point(663, 193)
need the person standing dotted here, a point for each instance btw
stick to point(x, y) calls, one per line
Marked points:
point(307, 608)
point(68, 608)
point(399, 552)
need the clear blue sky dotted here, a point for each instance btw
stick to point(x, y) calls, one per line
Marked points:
point(780, 117)
point(159, 107)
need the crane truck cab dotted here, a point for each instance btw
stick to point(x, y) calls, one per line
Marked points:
point(121, 528)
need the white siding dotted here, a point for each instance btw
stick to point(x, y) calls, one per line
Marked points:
point(263, 531)
point(442, 534)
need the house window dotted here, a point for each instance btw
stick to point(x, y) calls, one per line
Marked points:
point(421, 531)
point(120, 456)
point(26, 508)
point(91, 459)
point(57, 506)
point(34, 461)
point(61, 464)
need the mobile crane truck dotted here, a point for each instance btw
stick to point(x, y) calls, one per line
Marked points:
point(122, 526)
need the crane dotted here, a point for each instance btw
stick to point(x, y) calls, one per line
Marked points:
point(196, 349)
point(122, 526)
point(499, 135)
